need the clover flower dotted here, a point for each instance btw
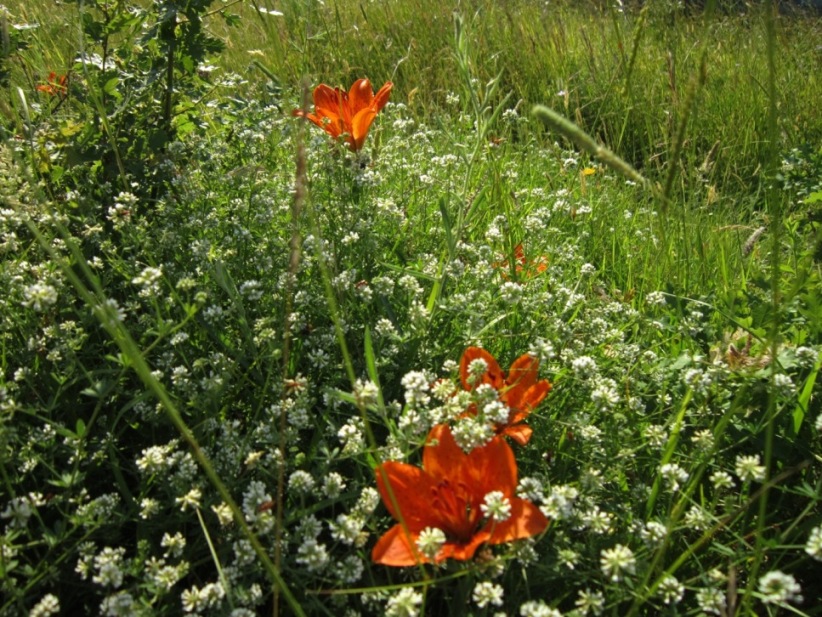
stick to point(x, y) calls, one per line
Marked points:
point(674, 475)
point(39, 296)
point(119, 604)
point(405, 603)
point(590, 602)
point(721, 480)
point(431, 541)
point(48, 605)
point(671, 590)
point(301, 482)
point(813, 547)
point(711, 601)
point(108, 565)
point(777, 587)
point(617, 562)
point(485, 593)
point(313, 555)
point(748, 469)
point(496, 506)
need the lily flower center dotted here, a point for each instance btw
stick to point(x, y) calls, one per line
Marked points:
point(453, 505)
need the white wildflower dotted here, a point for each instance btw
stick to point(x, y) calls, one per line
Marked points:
point(748, 468)
point(485, 593)
point(617, 562)
point(778, 588)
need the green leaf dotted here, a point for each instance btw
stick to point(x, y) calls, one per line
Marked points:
point(371, 365)
point(70, 129)
point(448, 225)
point(68, 480)
point(370, 359)
point(342, 395)
point(804, 398)
point(111, 88)
point(231, 19)
point(56, 172)
point(814, 197)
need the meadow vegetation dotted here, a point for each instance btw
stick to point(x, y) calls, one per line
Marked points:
point(481, 361)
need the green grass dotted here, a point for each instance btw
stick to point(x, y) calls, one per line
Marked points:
point(218, 322)
point(624, 78)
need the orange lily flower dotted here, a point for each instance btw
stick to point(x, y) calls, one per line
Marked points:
point(519, 390)
point(347, 114)
point(55, 86)
point(531, 268)
point(540, 264)
point(448, 494)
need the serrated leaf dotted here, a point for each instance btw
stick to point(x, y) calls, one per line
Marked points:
point(69, 128)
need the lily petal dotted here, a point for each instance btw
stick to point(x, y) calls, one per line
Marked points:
point(521, 433)
point(381, 98)
point(411, 488)
point(534, 395)
point(360, 96)
point(329, 99)
point(519, 253)
point(359, 127)
point(440, 461)
point(523, 401)
point(491, 467)
point(463, 552)
point(523, 372)
point(526, 520)
point(393, 549)
point(493, 375)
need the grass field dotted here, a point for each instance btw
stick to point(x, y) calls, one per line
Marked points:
point(535, 331)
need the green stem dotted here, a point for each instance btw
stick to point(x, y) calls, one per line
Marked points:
point(775, 210)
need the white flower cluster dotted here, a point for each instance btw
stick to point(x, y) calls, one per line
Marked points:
point(48, 605)
point(20, 509)
point(472, 432)
point(149, 281)
point(496, 506)
point(673, 475)
point(405, 603)
point(813, 547)
point(156, 459)
point(108, 566)
point(430, 541)
point(196, 600)
point(748, 468)
point(487, 593)
point(778, 588)
point(617, 562)
point(417, 386)
point(39, 296)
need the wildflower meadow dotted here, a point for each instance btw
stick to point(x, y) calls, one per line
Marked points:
point(361, 307)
